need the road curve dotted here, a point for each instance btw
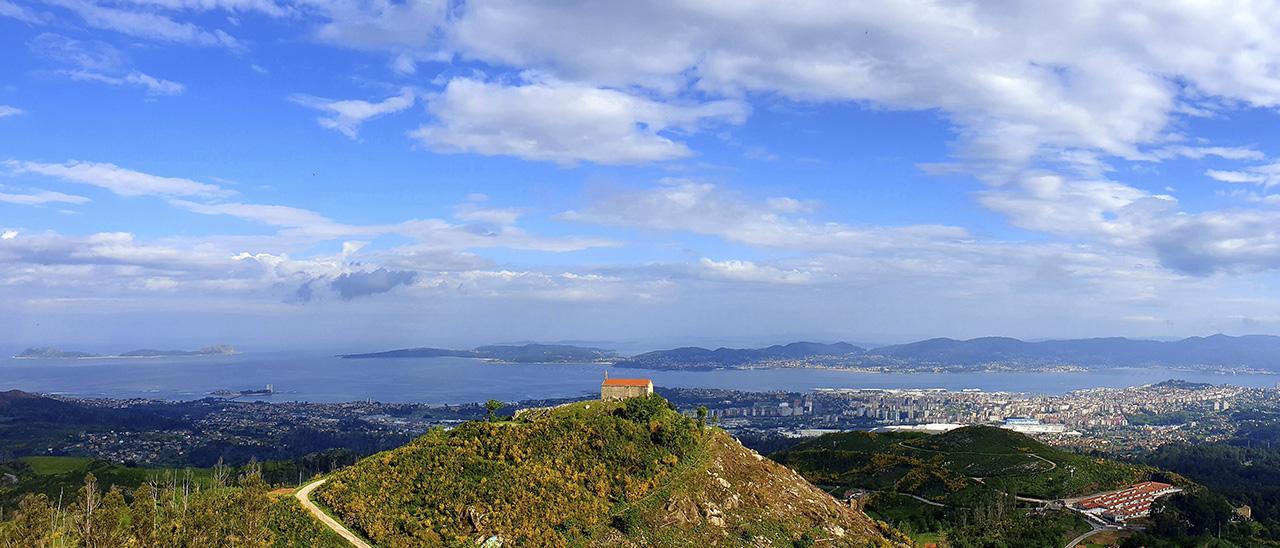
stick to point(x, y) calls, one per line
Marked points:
point(304, 496)
point(1076, 541)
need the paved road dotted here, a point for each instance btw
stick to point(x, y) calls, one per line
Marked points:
point(304, 497)
point(1081, 538)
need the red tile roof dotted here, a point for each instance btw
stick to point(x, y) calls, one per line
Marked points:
point(626, 382)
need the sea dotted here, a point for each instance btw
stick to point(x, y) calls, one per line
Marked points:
point(329, 379)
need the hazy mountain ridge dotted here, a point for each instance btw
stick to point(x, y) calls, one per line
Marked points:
point(1218, 351)
point(1250, 351)
point(48, 353)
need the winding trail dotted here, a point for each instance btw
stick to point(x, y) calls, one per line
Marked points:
point(304, 496)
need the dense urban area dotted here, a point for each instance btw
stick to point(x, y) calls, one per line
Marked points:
point(1101, 419)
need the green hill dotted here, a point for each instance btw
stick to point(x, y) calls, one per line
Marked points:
point(952, 466)
point(965, 483)
point(587, 474)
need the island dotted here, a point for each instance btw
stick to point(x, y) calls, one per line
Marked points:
point(525, 353)
point(46, 353)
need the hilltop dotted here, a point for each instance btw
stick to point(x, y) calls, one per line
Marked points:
point(590, 473)
point(525, 353)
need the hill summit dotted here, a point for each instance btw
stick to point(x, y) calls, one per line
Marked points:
point(633, 473)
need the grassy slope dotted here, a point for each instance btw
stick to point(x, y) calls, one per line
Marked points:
point(586, 474)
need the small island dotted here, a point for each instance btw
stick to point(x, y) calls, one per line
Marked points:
point(47, 353)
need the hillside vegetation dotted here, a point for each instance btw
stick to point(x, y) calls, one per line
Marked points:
point(587, 474)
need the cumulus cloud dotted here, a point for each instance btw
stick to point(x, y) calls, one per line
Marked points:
point(352, 285)
point(346, 116)
point(122, 181)
point(1021, 82)
point(564, 123)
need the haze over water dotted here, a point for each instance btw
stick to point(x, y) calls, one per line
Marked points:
point(321, 378)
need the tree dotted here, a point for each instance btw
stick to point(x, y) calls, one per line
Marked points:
point(702, 416)
point(493, 406)
point(110, 521)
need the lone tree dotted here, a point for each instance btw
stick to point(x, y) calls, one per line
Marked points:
point(493, 406)
point(702, 416)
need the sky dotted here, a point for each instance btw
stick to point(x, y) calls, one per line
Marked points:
point(354, 174)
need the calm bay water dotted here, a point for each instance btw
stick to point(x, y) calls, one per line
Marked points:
point(457, 380)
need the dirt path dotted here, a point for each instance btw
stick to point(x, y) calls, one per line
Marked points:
point(304, 497)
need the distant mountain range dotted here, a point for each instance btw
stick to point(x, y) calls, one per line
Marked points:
point(1217, 351)
point(45, 353)
point(1250, 351)
point(526, 353)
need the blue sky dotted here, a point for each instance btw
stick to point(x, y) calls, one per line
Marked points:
point(283, 173)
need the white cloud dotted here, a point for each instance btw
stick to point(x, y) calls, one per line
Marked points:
point(1199, 152)
point(1267, 175)
point(100, 62)
point(346, 116)
point(749, 271)
point(146, 24)
point(267, 7)
point(499, 216)
point(8, 235)
point(42, 197)
point(124, 182)
point(153, 85)
point(298, 222)
point(705, 208)
point(564, 123)
point(7, 111)
point(407, 28)
point(1022, 82)
point(9, 9)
